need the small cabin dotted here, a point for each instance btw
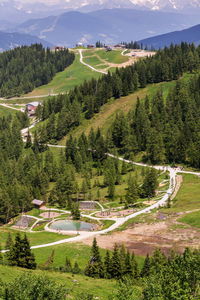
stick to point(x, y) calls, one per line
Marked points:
point(79, 45)
point(59, 48)
point(37, 203)
point(119, 46)
point(31, 108)
point(90, 46)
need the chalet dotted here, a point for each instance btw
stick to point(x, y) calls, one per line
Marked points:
point(58, 48)
point(90, 46)
point(31, 108)
point(119, 46)
point(37, 203)
point(79, 45)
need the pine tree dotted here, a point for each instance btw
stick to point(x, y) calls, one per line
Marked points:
point(95, 266)
point(115, 268)
point(128, 265)
point(150, 184)
point(132, 194)
point(107, 265)
point(20, 254)
point(76, 269)
point(27, 259)
point(28, 141)
point(146, 269)
point(9, 242)
point(134, 266)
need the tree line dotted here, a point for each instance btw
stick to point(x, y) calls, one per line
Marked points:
point(25, 68)
point(86, 157)
point(27, 169)
point(164, 130)
point(171, 277)
point(65, 112)
point(174, 276)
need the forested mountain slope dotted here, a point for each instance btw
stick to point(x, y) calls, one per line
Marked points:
point(87, 99)
point(22, 69)
point(190, 35)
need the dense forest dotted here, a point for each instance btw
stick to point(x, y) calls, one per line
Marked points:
point(26, 171)
point(164, 131)
point(167, 132)
point(25, 68)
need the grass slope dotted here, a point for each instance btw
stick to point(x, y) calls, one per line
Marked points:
point(64, 81)
point(35, 238)
point(186, 200)
point(108, 112)
point(188, 196)
point(102, 59)
point(192, 219)
point(114, 56)
point(4, 111)
point(76, 284)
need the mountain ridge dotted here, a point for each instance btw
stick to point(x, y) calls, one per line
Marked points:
point(9, 41)
point(108, 25)
point(20, 11)
point(189, 35)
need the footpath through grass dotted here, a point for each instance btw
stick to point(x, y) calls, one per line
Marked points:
point(187, 199)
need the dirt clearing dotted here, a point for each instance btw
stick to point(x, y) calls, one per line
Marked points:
point(144, 238)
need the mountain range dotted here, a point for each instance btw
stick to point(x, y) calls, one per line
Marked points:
point(190, 35)
point(108, 25)
point(21, 10)
point(59, 22)
point(11, 40)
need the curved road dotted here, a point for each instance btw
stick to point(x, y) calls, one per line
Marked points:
point(51, 95)
point(118, 221)
point(121, 221)
point(7, 106)
point(92, 68)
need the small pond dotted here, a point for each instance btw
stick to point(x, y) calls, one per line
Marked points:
point(67, 225)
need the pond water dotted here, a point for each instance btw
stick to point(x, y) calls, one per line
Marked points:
point(67, 225)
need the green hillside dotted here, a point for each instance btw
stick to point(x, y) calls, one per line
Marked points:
point(72, 76)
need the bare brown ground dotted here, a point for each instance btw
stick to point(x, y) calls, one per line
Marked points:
point(49, 214)
point(145, 238)
point(112, 213)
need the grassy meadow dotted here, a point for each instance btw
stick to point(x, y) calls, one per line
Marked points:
point(64, 81)
point(76, 284)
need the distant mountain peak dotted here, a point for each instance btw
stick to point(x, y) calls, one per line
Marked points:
point(167, 4)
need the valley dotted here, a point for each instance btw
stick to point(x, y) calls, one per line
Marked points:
point(115, 162)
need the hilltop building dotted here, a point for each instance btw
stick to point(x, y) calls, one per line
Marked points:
point(31, 108)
